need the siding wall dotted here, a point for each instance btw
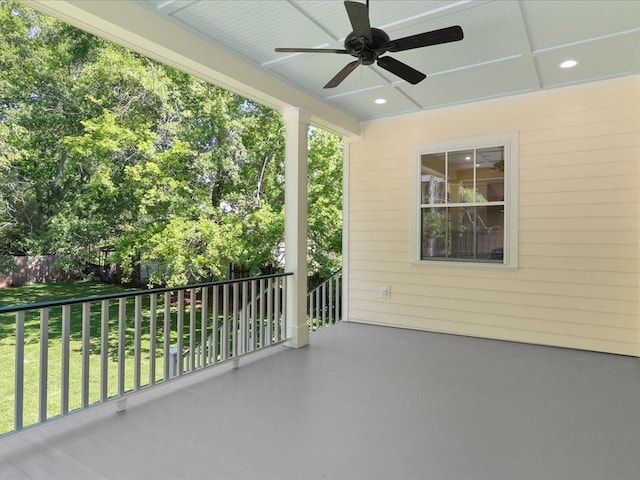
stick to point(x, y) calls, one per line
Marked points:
point(577, 281)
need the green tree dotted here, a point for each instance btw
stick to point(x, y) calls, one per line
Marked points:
point(101, 146)
point(325, 202)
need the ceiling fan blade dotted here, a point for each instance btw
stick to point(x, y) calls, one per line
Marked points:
point(435, 37)
point(359, 18)
point(311, 50)
point(402, 70)
point(342, 74)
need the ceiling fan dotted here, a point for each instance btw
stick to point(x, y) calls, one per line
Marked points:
point(369, 44)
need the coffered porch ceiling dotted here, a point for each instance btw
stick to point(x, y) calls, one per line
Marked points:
point(510, 47)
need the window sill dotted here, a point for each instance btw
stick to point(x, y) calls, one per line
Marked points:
point(463, 265)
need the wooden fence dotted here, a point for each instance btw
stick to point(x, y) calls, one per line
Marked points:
point(36, 269)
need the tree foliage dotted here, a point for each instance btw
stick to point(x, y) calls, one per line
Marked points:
point(100, 146)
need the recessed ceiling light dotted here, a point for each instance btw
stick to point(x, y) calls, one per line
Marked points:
point(380, 101)
point(568, 64)
point(467, 158)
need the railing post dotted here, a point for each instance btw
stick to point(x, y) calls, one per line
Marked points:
point(173, 362)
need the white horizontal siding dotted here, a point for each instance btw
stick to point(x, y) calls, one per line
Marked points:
point(577, 284)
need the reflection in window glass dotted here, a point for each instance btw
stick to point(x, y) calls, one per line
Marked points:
point(473, 233)
point(462, 205)
point(435, 233)
point(433, 172)
point(460, 176)
point(490, 174)
point(489, 233)
point(461, 236)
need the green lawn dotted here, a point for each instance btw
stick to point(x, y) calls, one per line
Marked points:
point(41, 293)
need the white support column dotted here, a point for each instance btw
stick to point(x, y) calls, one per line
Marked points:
point(297, 123)
point(346, 144)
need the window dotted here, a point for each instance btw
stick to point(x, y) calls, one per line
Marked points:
point(467, 201)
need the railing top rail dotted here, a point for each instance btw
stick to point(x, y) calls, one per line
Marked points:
point(133, 293)
point(326, 280)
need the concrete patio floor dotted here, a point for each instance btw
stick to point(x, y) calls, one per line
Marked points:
point(361, 402)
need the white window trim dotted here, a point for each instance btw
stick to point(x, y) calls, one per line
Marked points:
point(510, 142)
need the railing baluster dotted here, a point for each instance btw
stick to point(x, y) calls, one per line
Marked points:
point(86, 335)
point(336, 302)
point(284, 281)
point(104, 350)
point(254, 314)
point(234, 323)
point(310, 298)
point(192, 329)
point(316, 320)
point(324, 304)
point(261, 330)
point(214, 332)
point(64, 371)
point(122, 341)
point(167, 336)
point(204, 325)
point(180, 332)
point(318, 316)
point(44, 364)
point(269, 311)
point(276, 317)
point(339, 297)
point(330, 306)
point(246, 318)
point(244, 326)
point(247, 304)
point(153, 327)
point(224, 333)
point(19, 373)
point(137, 339)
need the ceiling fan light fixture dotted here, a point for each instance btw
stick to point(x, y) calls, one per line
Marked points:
point(380, 101)
point(568, 64)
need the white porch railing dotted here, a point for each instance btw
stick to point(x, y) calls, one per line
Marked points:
point(254, 303)
point(113, 345)
point(324, 303)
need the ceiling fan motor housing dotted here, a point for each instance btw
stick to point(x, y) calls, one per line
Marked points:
point(366, 51)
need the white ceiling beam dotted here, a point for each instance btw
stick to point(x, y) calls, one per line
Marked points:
point(515, 15)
